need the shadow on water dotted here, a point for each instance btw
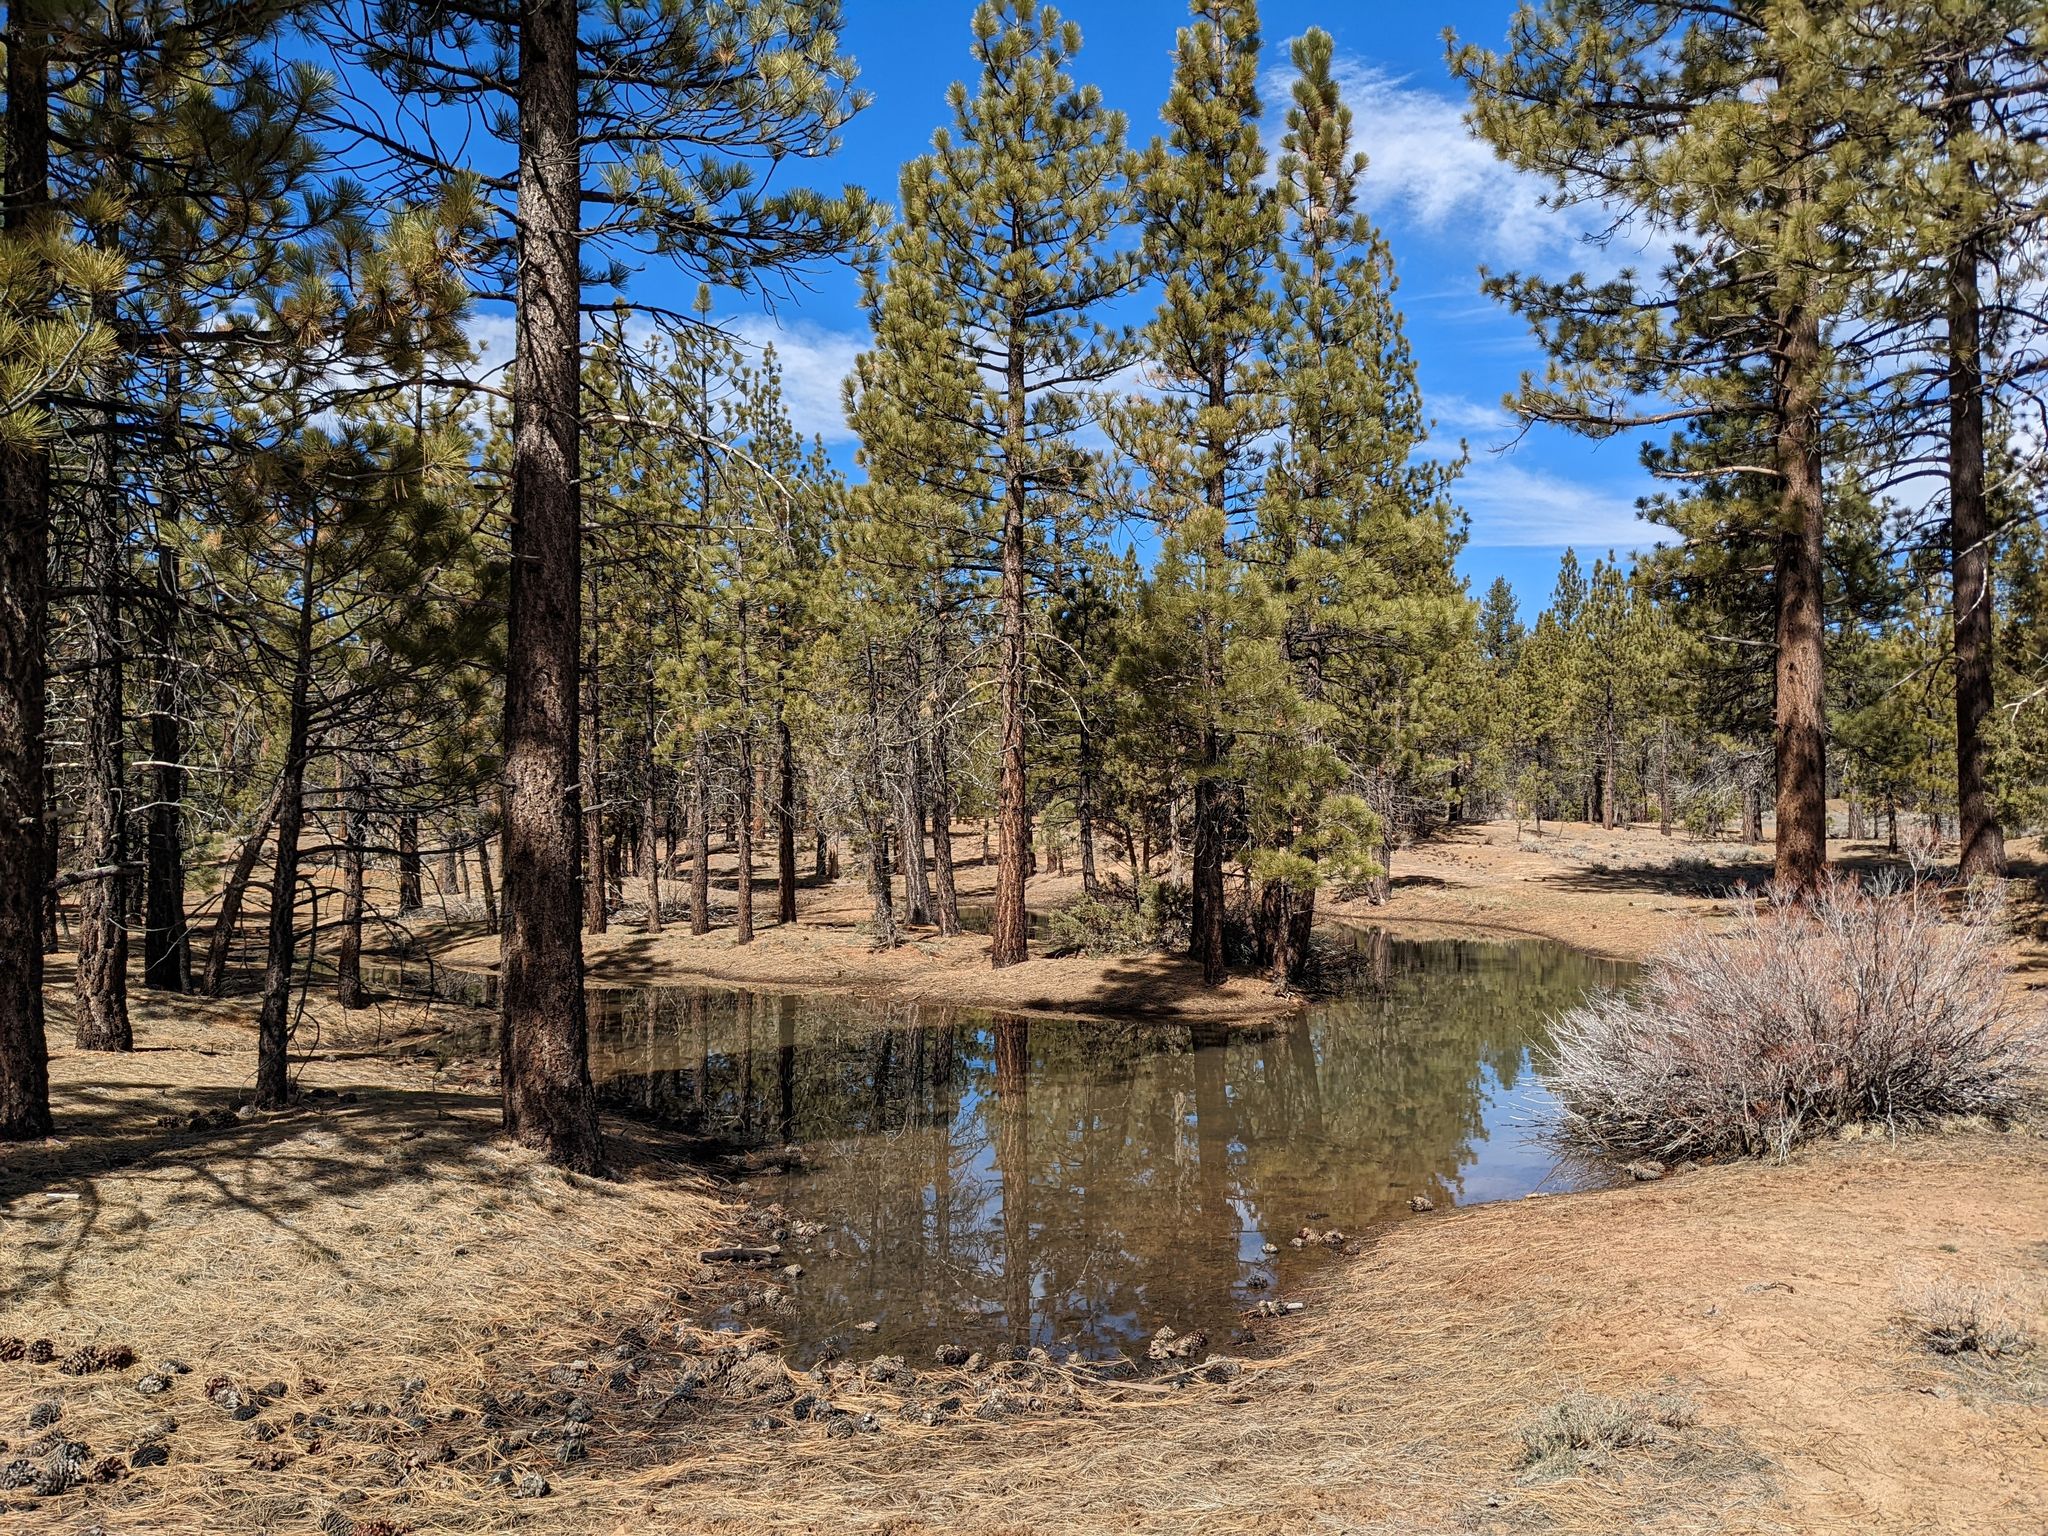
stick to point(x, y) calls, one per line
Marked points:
point(987, 1179)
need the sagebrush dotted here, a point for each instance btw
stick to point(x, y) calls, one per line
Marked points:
point(1865, 1003)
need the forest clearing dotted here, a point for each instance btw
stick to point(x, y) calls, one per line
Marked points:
point(821, 765)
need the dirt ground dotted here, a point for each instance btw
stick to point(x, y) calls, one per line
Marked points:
point(440, 1309)
point(829, 948)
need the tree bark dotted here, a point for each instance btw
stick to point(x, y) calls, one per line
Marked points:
point(53, 858)
point(100, 985)
point(945, 886)
point(700, 841)
point(785, 820)
point(1801, 725)
point(743, 831)
point(273, 1024)
point(1664, 778)
point(1009, 933)
point(650, 820)
point(917, 887)
point(1609, 774)
point(483, 870)
point(1207, 935)
point(1084, 810)
point(348, 959)
point(549, 1103)
point(166, 941)
point(594, 882)
point(409, 863)
point(1970, 533)
point(228, 915)
point(24, 596)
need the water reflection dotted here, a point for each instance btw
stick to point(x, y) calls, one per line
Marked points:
point(988, 1179)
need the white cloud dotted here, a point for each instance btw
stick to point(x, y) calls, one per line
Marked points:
point(815, 359)
point(1513, 506)
point(1426, 167)
point(815, 362)
point(1484, 424)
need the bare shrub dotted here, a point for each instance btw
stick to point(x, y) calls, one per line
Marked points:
point(1581, 1430)
point(1862, 1004)
point(1953, 1319)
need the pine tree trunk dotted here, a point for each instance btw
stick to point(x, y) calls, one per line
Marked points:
point(700, 841)
point(1664, 779)
point(785, 820)
point(348, 958)
point(1208, 867)
point(24, 556)
point(1009, 933)
point(650, 856)
point(409, 863)
point(1084, 810)
point(101, 982)
point(549, 1102)
point(166, 941)
point(743, 830)
point(1752, 813)
point(917, 889)
point(743, 837)
point(273, 1024)
point(945, 885)
point(483, 871)
point(228, 916)
point(1801, 726)
point(52, 853)
point(594, 871)
point(1211, 803)
point(874, 812)
point(1981, 836)
point(1608, 773)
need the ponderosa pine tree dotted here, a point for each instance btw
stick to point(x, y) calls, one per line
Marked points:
point(986, 327)
point(1355, 530)
point(652, 112)
point(1716, 128)
point(1212, 231)
point(1950, 99)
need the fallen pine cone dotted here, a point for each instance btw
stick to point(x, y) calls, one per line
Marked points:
point(93, 1358)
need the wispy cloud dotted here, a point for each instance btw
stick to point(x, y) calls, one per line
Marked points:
point(815, 362)
point(1425, 167)
point(1486, 424)
point(1514, 506)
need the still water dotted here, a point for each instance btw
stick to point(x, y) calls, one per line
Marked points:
point(986, 1179)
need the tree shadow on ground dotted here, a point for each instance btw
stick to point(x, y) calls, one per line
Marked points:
point(327, 1148)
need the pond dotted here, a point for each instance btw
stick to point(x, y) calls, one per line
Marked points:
point(991, 1180)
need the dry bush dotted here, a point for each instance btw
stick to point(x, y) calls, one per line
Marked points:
point(1582, 1430)
point(1953, 1319)
point(1862, 1004)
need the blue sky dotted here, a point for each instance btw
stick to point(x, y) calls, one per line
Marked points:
point(1447, 206)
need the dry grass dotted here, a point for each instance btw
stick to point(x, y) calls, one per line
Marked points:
point(380, 1250)
point(1952, 1318)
